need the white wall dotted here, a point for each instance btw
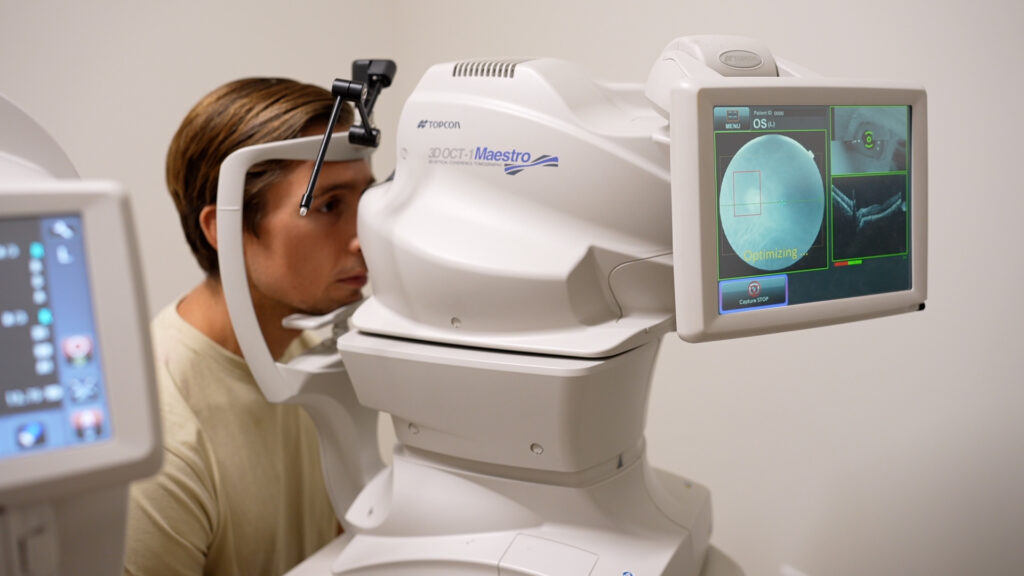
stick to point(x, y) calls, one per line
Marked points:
point(112, 79)
point(889, 447)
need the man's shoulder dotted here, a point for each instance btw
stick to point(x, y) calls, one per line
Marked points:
point(172, 337)
point(197, 367)
point(182, 430)
point(182, 374)
point(169, 334)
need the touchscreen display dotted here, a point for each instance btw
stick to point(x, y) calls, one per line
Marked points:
point(52, 390)
point(813, 203)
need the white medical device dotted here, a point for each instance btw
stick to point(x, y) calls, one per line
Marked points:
point(78, 415)
point(767, 251)
point(542, 232)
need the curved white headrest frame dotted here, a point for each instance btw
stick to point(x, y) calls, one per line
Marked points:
point(230, 257)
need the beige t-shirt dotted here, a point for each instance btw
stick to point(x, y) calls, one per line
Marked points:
point(241, 490)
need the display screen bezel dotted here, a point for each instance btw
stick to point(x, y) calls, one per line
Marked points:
point(695, 203)
point(120, 316)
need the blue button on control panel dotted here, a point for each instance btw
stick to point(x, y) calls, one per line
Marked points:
point(744, 294)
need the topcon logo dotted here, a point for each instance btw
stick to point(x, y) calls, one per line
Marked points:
point(440, 124)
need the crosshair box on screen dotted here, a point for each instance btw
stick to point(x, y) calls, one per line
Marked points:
point(746, 193)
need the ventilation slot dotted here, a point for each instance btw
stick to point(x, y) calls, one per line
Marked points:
point(486, 68)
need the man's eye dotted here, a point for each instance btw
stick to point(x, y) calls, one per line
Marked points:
point(329, 206)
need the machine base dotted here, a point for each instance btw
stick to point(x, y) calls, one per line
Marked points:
point(717, 562)
point(637, 520)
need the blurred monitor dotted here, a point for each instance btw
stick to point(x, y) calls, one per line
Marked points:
point(77, 406)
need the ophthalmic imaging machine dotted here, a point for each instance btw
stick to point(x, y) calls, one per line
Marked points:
point(78, 407)
point(540, 234)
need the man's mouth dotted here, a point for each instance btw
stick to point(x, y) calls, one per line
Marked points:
point(355, 280)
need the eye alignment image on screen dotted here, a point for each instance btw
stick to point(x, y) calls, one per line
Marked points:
point(52, 387)
point(869, 182)
point(813, 203)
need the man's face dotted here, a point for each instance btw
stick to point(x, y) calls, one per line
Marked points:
point(313, 263)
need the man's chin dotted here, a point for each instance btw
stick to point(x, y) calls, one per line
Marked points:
point(326, 308)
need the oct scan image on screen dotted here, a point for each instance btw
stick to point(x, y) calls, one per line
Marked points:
point(52, 392)
point(812, 203)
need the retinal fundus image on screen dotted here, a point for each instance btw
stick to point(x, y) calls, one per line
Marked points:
point(771, 203)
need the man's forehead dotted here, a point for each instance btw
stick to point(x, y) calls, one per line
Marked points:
point(354, 166)
point(346, 171)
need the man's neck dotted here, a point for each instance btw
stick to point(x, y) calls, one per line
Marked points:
point(206, 309)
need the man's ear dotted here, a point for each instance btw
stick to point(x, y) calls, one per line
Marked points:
point(208, 222)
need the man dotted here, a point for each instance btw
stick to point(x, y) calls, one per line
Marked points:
point(241, 491)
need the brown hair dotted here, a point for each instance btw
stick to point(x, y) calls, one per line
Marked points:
point(238, 114)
